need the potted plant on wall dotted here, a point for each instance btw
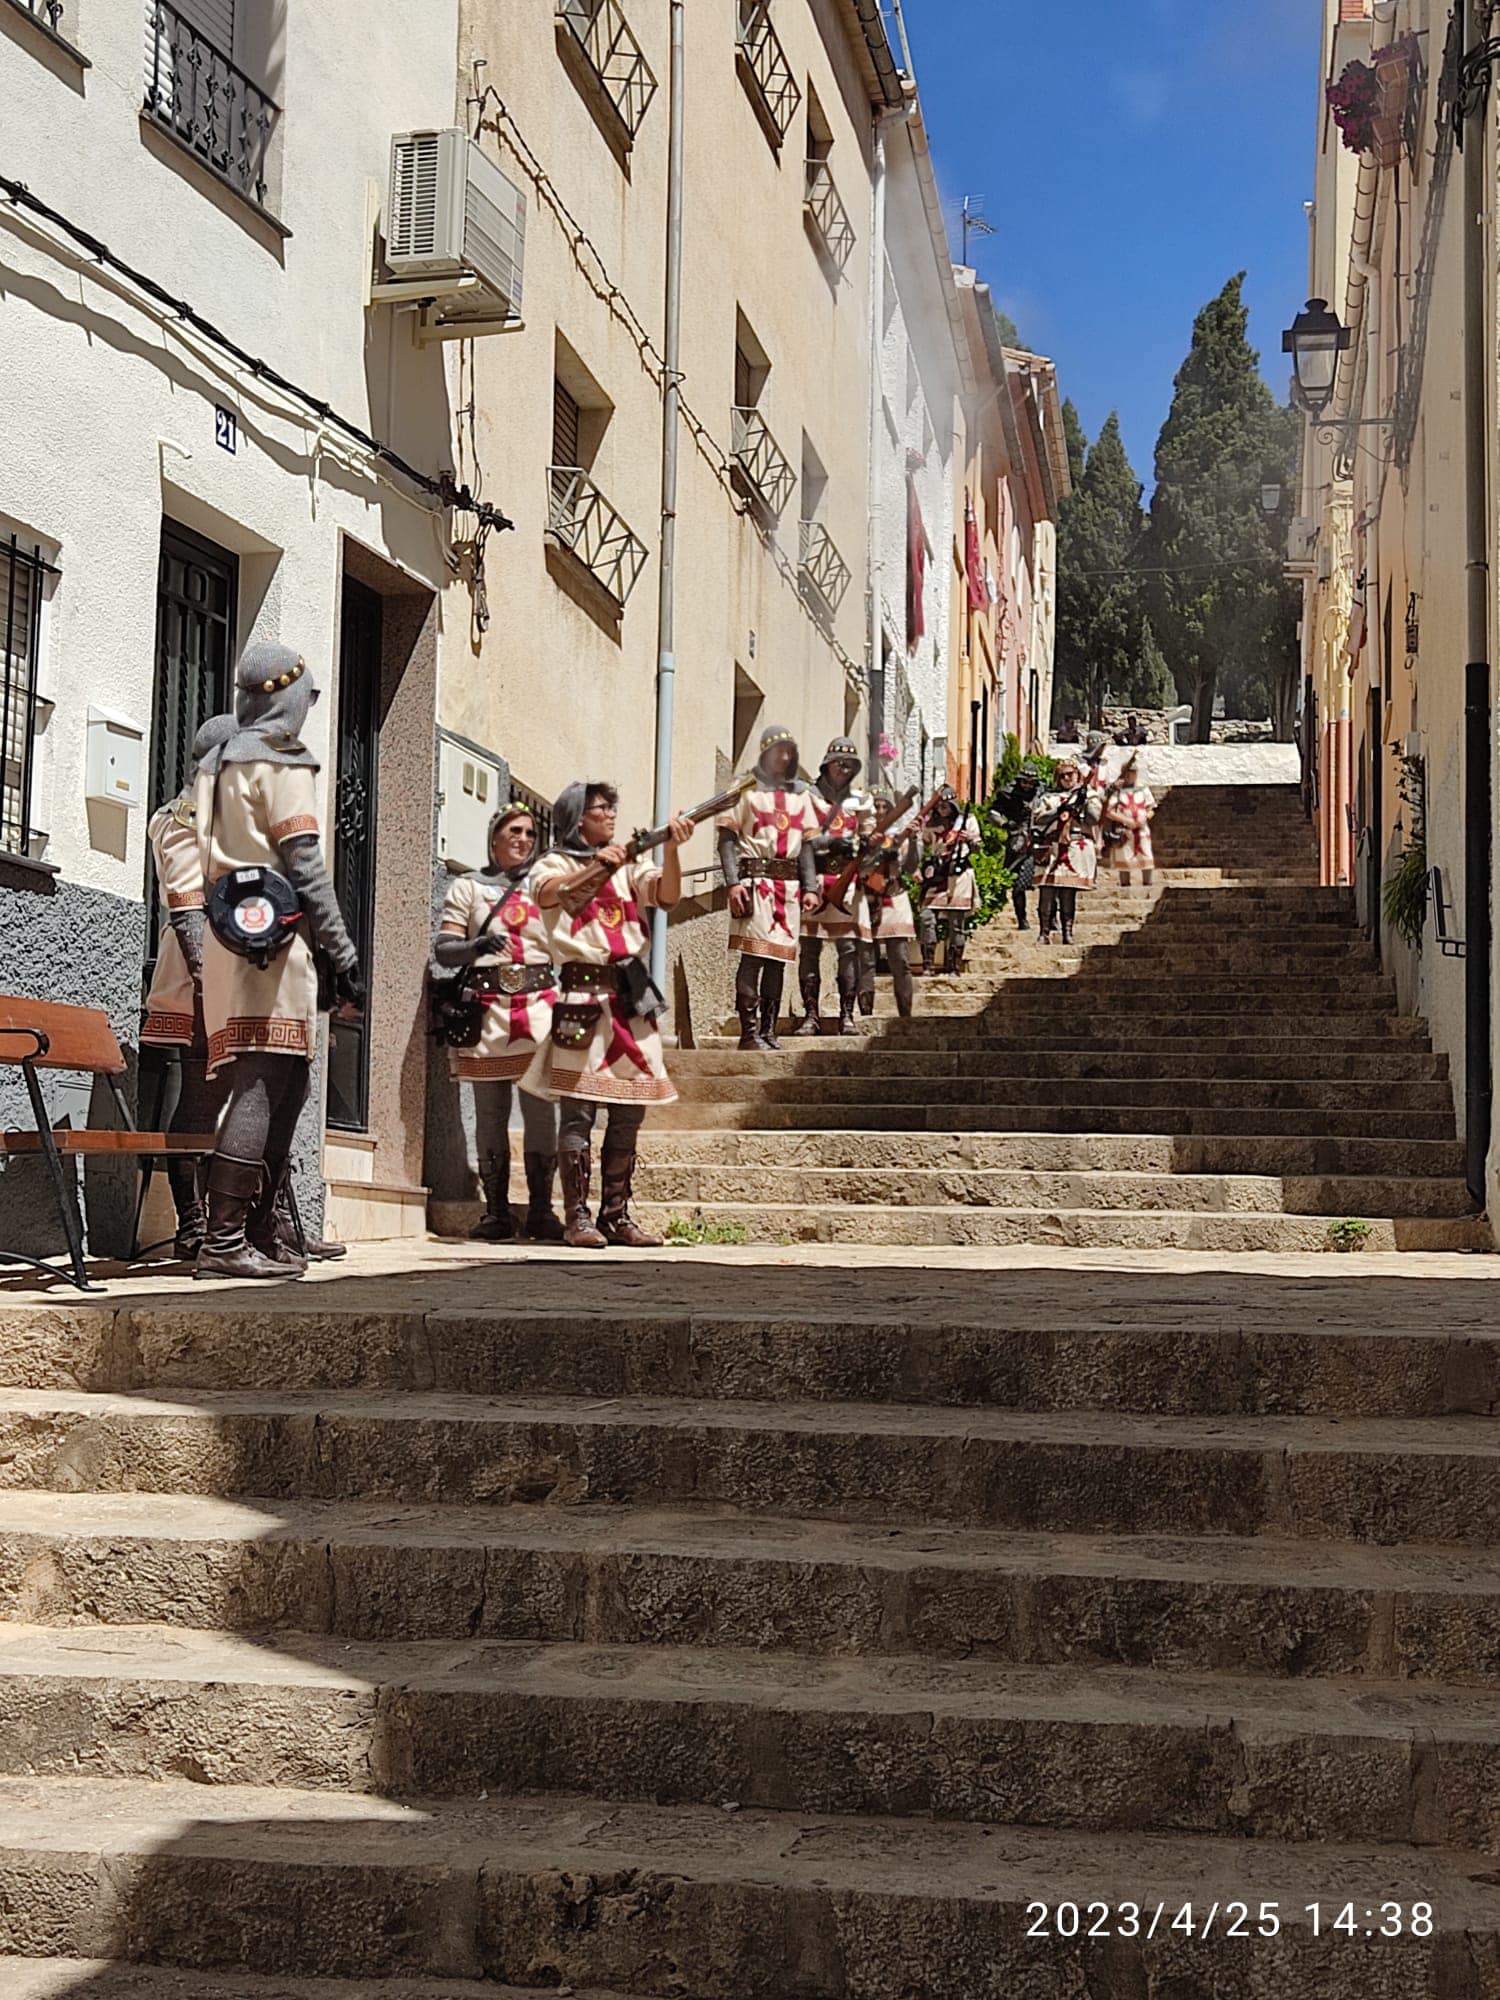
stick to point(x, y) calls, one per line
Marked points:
point(1354, 101)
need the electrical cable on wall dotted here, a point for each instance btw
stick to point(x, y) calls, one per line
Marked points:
point(441, 486)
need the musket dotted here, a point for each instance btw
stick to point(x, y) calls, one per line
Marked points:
point(901, 820)
point(583, 888)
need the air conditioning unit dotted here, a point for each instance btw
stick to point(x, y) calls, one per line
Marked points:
point(469, 792)
point(1301, 542)
point(455, 222)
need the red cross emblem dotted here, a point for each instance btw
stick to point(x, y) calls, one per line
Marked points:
point(611, 911)
point(623, 1043)
point(777, 817)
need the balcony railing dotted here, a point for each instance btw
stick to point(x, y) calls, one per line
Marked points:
point(822, 565)
point(208, 105)
point(614, 55)
point(774, 91)
point(761, 462)
point(827, 214)
point(581, 520)
point(48, 12)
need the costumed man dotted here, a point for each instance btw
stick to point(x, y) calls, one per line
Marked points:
point(949, 889)
point(771, 871)
point(1067, 854)
point(885, 913)
point(606, 1046)
point(256, 800)
point(845, 816)
point(1014, 808)
point(492, 923)
point(174, 1004)
point(1129, 807)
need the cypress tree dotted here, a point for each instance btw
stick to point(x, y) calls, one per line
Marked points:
point(1218, 601)
point(1098, 594)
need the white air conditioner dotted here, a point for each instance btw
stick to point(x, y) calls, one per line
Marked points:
point(1301, 541)
point(454, 220)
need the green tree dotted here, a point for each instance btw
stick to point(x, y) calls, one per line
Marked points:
point(1077, 443)
point(1151, 685)
point(1098, 593)
point(1217, 596)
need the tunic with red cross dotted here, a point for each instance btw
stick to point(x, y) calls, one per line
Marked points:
point(612, 925)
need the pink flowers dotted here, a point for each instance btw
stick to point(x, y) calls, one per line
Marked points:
point(1354, 101)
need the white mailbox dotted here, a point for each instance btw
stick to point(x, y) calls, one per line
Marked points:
point(470, 788)
point(115, 768)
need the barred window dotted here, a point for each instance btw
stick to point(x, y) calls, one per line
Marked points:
point(21, 573)
point(540, 810)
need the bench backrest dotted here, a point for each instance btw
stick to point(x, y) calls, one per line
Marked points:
point(78, 1038)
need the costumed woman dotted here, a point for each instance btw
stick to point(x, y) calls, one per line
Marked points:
point(1014, 808)
point(1129, 808)
point(845, 815)
point(1067, 857)
point(174, 1005)
point(606, 1046)
point(492, 923)
point(771, 872)
point(949, 887)
point(885, 914)
point(256, 805)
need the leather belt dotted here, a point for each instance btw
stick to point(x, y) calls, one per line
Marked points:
point(768, 871)
point(590, 979)
point(496, 980)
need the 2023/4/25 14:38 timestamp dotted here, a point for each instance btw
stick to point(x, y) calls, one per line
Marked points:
point(1228, 1919)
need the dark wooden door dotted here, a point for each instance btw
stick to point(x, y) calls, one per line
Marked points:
point(353, 816)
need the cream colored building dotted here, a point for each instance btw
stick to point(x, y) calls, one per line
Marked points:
point(1380, 542)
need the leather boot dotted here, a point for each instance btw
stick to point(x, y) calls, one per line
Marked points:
point(187, 1199)
point(579, 1232)
point(543, 1225)
point(1067, 930)
point(271, 1226)
point(497, 1224)
point(616, 1172)
point(812, 1020)
point(956, 960)
point(768, 1039)
point(750, 1042)
point(929, 961)
point(233, 1187)
point(867, 1001)
point(846, 1014)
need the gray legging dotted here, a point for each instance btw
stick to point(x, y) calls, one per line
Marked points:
point(958, 928)
point(266, 1096)
point(492, 1123)
point(575, 1125)
point(898, 958)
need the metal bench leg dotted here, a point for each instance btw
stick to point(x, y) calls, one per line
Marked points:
point(67, 1203)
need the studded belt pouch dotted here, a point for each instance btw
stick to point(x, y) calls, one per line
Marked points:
point(574, 1021)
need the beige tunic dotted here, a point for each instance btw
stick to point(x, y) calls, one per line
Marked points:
point(516, 1025)
point(272, 1011)
point(960, 892)
point(770, 827)
point(620, 1061)
point(174, 1013)
point(850, 819)
point(1130, 807)
point(1076, 865)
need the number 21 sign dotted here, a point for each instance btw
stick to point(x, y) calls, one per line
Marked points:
point(226, 430)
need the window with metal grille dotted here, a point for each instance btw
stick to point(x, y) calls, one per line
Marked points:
point(540, 810)
point(21, 572)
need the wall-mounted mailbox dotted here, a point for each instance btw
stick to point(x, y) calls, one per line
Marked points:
point(470, 789)
point(115, 768)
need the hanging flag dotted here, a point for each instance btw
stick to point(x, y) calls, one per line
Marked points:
point(973, 563)
point(916, 567)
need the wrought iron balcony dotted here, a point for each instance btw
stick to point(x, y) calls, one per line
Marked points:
point(827, 214)
point(48, 12)
point(614, 55)
point(774, 91)
point(581, 520)
point(822, 565)
point(760, 462)
point(208, 104)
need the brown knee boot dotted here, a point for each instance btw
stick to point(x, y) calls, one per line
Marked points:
point(542, 1224)
point(497, 1224)
point(617, 1172)
point(187, 1198)
point(768, 1013)
point(579, 1232)
point(233, 1187)
point(750, 1042)
point(272, 1228)
point(811, 1022)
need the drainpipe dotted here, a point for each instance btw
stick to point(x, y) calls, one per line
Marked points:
point(1478, 1074)
point(666, 657)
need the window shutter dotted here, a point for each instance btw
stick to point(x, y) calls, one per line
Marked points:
point(564, 426)
point(213, 19)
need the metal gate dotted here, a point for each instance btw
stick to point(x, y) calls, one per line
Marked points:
point(197, 589)
point(354, 817)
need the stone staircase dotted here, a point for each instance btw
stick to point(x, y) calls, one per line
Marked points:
point(1216, 1063)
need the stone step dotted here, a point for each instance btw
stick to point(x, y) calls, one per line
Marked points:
point(1198, 1120)
point(1431, 1094)
point(1056, 1152)
point(1100, 1750)
point(105, 1979)
point(981, 1190)
point(581, 1892)
point(838, 1056)
point(1040, 1027)
point(1432, 1480)
point(1161, 1358)
point(614, 1576)
point(908, 1224)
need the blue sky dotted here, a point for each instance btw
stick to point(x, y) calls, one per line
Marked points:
point(1133, 154)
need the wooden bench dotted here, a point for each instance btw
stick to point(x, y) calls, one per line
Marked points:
point(42, 1034)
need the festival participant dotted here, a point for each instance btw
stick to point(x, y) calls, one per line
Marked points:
point(492, 923)
point(1067, 856)
point(1014, 808)
point(845, 814)
point(1129, 807)
point(770, 870)
point(256, 809)
point(174, 1005)
point(885, 915)
point(606, 1046)
point(949, 889)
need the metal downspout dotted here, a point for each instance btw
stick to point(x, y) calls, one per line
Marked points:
point(666, 657)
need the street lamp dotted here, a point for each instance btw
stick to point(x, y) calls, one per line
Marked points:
point(1270, 496)
point(1315, 340)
